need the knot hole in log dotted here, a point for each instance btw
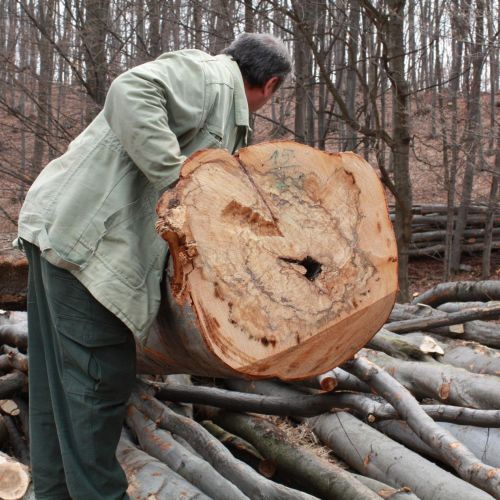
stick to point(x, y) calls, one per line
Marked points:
point(312, 266)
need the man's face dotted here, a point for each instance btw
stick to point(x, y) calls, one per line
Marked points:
point(258, 96)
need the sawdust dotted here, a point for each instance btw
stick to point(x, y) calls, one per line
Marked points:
point(300, 434)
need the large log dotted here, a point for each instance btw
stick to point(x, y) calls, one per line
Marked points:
point(284, 263)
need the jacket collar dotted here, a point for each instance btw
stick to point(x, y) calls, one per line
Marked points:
point(241, 112)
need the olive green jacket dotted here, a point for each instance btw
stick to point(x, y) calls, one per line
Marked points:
point(92, 210)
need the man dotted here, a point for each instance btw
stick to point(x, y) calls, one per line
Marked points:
point(87, 227)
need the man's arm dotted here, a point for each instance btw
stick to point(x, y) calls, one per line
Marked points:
point(145, 105)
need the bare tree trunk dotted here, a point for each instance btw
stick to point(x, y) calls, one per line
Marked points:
point(322, 100)
point(197, 24)
point(394, 29)
point(351, 78)
point(471, 135)
point(249, 22)
point(45, 17)
point(456, 65)
point(94, 31)
point(488, 230)
point(154, 38)
point(494, 68)
point(301, 78)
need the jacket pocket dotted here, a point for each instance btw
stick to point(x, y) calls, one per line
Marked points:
point(130, 245)
point(206, 138)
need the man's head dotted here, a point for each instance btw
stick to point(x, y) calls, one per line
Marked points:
point(264, 63)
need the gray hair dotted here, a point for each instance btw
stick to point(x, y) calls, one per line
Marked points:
point(260, 56)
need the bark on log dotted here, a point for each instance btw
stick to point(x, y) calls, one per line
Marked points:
point(14, 283)
point(449, 307)
point(484, 333)
point(463, 416)
point(373, 409)
point(345, 382)
point(384, 490)
point(460, 291)
point(402, 312)
point(183, 408)
point(348, 382)
point(4, 433)
point(440, 235)
point(12, 359)
point(367, 406)
point(479, 331)
point(429, 208)
point(321, 478)
point(150, 478)
point(161, 445)
point(440, 249)
point(15, 334)
point(373, 454)
point(445, 383)
point(453, 452)
point(243, 476)
point(284, 256)
point(13, 317)
point(17, 443)
point(483, 442)
point(14, 478)
point(23, 416)
point(471, 356)
point(305, 406)
point(237, 443)
point(398, 346)
point(12, 383)
point(412, 325)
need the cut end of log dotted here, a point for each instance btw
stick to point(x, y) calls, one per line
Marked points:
point(14, 478)
point(285, 253)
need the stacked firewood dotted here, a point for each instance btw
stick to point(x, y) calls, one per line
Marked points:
point(429, 230)
point(14, 431)
point(416, 414)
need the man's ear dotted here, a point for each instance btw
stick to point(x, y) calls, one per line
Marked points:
point(270, 86)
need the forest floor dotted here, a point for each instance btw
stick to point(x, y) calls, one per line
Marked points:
point(428, 272)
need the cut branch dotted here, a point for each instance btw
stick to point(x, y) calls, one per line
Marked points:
point(453, 452)
point(460, 291)
point(322, 478)
point(239, 473)
point(161, 445)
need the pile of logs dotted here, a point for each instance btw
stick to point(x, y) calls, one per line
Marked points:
point(416, 414)
point(429, 230)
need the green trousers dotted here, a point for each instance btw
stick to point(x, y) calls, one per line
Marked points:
point(81, 373)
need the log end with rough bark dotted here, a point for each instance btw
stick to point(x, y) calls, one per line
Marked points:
point(285, 254)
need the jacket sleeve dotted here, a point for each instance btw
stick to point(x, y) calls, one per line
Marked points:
point(150, 106)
